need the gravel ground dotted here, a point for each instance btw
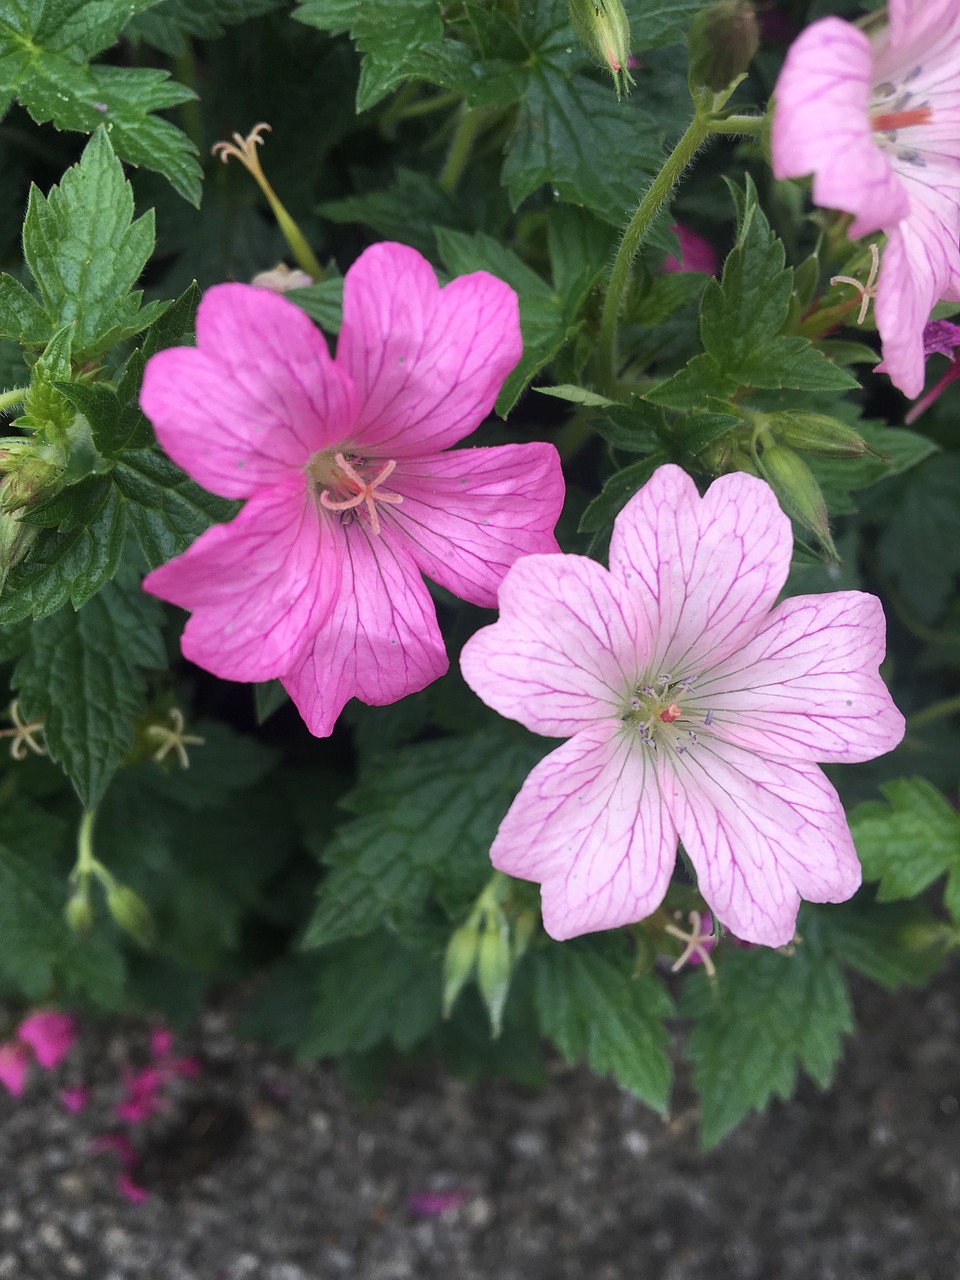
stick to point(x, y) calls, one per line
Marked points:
point(266, 1171)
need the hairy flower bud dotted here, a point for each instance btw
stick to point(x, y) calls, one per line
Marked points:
point(458, 963)
point(132, 914)
point(797, 490)
point(818, 434)
point(721, 43)
point(604, 29)
point(78, 914)
point(494, 966)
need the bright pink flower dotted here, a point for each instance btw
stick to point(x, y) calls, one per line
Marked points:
point(351, 491)
point(696, 254)
point(693, 708)
point(50, 1035)
point(14, 1065)
point(940, 337)
point(142, 1095)
point(877, 123)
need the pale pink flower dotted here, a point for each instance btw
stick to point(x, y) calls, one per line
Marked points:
point(693, 708)
point(696, 253)
point(351, 489)
point(14, 1066)
point(49, 1034)
point(877, 123)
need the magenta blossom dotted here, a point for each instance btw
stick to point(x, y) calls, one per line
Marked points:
point(696, 253)
point(693, 708)
point(351, 489)
point(877, 123)
point(49, 1034)
point(75, 1100)
point(942, 338)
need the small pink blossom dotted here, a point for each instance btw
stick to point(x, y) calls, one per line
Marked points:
point(694, 708)
point(877, 123)
point(696, 253)
point(131, 1190)
point(161, 1042)
point(352, 488)
point(50, 1035)
point(14, 1066)
point(75, 1100)
point(431, 1204)
point(142, 1095)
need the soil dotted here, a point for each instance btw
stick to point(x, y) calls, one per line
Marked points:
point(264, 1170)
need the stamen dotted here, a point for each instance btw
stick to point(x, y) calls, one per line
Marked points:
point(708, 718)
point(890, 121)
point(867, 291)
point(244, 149)
point(366, 491)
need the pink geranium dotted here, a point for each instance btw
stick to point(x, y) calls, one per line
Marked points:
point(691, 709)
point(877, 123)
point(350, 492)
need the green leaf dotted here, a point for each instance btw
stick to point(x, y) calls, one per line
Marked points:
point(795, 363)
point(924, 514)
point(907, 840)
point(408, 210)
point(84, 678)
point(168, 25)
point(658, 22)
point(591, 1007)
point(45, 50)
point(699, 385)
point(767, 1016)
point(878, 941)
point(429, 814)
point(32, 930)
point(617, 491)
point(322, 302)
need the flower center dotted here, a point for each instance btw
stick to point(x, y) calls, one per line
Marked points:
point(658, 713)
point(344, 483)
point(904, 105)
point(890, 121)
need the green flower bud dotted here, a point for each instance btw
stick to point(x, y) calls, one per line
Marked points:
point(604, 30)
point(817, 434)
point(458, 963)
point(132, 914)
point(78, 913)
point(494, 966)
point(796, 487)
point(721, 43)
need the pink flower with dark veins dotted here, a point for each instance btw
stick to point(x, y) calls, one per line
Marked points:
point(352, 489)
point(877, 123)
point(940, 338)
point(49, 1034)
point(694, 709)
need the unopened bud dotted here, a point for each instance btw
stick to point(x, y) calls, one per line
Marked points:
point(78, 914)
point(721, 43)
point(604, 30)
point(493, 969)
point(458, 964)
point(817, 434)
point(796, 487)
point(132, 914)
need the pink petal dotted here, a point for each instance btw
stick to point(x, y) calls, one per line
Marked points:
point(821, 125)
point(118, 1143)
point(50, 1035)
point(431, 1204)
point(427, 363)
point(590, 825)
point(255, 399)
point(920, 20)
point(381, 640)
point(567, 650)
point(161, 1042)
point(75, 1100)
point(14, 1066)
point(466, 516)
point(705, 570)
point(761, 834)
point(260, 586)
point(131, 1190)
point(808, 686)
point(696, 253)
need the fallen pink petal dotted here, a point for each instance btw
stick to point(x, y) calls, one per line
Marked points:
point(131, 1190)
point(75, 1100)
point(50, 1035)
point(432, 1204)
point(14, 1068)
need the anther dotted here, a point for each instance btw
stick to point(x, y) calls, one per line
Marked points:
point(868, 290)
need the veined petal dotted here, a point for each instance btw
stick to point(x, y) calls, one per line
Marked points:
point(821, 126)
point(590, 825)
point(567, 650)
point(920, 20)
point(380, 642)
point(706, 570)
point(254, 399)
point(259, 587)
point(427, 362)
point(808, 686)
point(467, 515)
point(761, 834)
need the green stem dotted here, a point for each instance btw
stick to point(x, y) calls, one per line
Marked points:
point(936, 711)
point(424, 107)
point(10, 398)
point(742, 125)
point(185, 71)
point(88, 863)
point(688, 146)
point(469, 125)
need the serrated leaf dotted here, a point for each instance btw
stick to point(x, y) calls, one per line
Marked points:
point(876, 940)
point(166, 508)
point(767, 1016)
point(428, 818)
point(907, 840)
point(84, 678)
point(21, 315)
point(169, 24)
point(32, 931)
point(592, 1008)
point(794, 363)
point(923, 515)
point(700, 382)
point(658, 22)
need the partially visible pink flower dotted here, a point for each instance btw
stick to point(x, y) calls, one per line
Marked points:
point(694, 708)
point(352, 488)
point(50, 1035)
point(698, 940)
point(940, 337)
point(161, 1042)
point(75, 1100)
point(131, 1190)
point(696, 253)
point(877, 123)
point(142, 1096)
point(431, 1204)
point(14, 1066)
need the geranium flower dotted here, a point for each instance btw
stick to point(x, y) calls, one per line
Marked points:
point(940, 337)
point(877, 123)
point(693, 708)
point(350, 491)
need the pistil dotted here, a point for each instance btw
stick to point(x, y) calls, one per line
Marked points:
point(890, 121)
point(367, 492)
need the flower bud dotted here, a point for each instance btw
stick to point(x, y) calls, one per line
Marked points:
point(604, 30)
point(817, 434)
point(78, 914)
point(458, 963)
point(721, 43)
point(797, 490)
point(494, 965)
point(132, 914)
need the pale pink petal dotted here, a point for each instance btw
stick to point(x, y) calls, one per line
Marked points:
point(427, 363)
point(259, 586)
point(808, 687)
point(50, 1035)
point(256, 397)
point(705, 570)
point(466, 516)
point(920, 20)
point(590, 825)
point(14, 1066)
point(821, 126)
point(761, 834)
point(567, 650)
point(380, 642)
